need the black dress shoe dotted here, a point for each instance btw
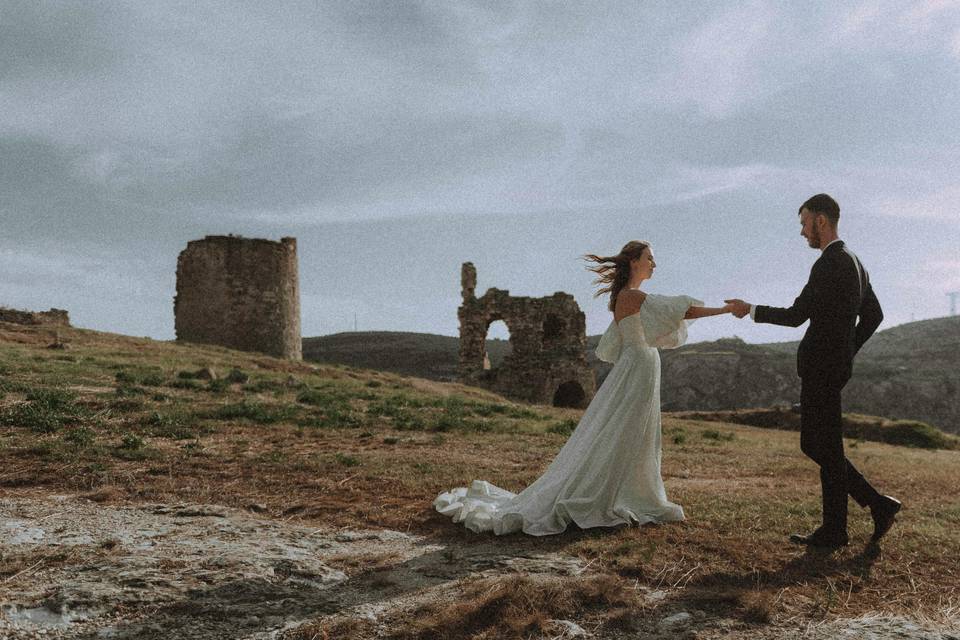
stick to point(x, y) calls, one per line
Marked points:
point(884, 514)
point(820, 539)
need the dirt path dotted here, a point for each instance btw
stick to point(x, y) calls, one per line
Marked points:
point(74, 568)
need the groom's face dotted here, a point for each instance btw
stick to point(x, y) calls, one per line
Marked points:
point(808, 227)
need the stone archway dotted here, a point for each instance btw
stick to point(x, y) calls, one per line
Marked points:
point(569, 394)
point(497, 347)
point(547, 340)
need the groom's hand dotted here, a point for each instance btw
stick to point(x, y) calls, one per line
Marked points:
point(738, 307)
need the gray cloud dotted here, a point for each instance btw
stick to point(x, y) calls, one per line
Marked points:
point(404, 138)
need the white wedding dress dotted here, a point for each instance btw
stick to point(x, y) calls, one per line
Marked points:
point(608, 472)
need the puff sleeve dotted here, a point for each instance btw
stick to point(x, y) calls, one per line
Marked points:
point(663, 320)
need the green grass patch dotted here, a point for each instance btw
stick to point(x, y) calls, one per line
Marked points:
point(150, 377)
point(236, 376)
point(911, 433)
point(185, 383)
point(175, 425)
point(258, 412)
point(81, 437)
point(563, 427)
point(125, 390)
point(346, 460)
point(332, 417)
point(394, 405)
point(717, 436)
point(128, 405)
point(45, 411)
point(219, 385)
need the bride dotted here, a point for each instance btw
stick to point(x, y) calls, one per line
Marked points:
point(608, 472)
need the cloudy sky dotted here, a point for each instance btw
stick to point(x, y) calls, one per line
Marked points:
point(396, 140)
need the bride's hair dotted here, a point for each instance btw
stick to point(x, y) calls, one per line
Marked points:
point(614, 271)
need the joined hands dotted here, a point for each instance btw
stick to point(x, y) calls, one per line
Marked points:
point(737, 307)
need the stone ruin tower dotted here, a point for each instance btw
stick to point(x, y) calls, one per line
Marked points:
point(240, 293)
point(547, 336)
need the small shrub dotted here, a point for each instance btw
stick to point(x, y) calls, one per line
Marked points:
point(391, 440)
point(487, 409)
point(12, 386)
point(79, 437)
point(127, 405)
point(444, 422)
point(333, 418)
point(713, 434)
point(192, 447)
point(153, 380)
point(255, 412)
point(45, 411)
point(186, 375)
point(679, 436)
point(56, 399)
point(150, 378)
point(185, 383)
point(219, 385)
point(176, 426)
point(131, 442)
point(564, 428)
point(125, 377)
point(345, 460)
point(316, 398)
point(522, 413)
point(407, 421)
point(373, 384)
point(236, 376)
point(129, 391)
point(394, 405)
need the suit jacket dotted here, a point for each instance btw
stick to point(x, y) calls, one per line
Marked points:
point(837, 292)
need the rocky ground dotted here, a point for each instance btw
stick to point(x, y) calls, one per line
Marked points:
point(91, 570)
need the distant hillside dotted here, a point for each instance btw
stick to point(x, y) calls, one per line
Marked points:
point(424, 355)
point(905, 372)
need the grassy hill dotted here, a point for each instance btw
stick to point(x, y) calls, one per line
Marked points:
point(128, 421)
point(423, 355)
point(906, 372)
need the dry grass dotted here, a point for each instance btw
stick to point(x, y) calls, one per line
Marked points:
point(744, 489)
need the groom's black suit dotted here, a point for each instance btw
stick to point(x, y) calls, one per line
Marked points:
point(837, 292)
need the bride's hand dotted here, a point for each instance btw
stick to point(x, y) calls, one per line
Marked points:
point(738, 307)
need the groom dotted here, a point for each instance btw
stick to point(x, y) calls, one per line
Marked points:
point(837, 292)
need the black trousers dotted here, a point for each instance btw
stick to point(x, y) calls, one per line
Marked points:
point(821, 439)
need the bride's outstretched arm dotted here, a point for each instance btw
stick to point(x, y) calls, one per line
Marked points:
point(703, 312)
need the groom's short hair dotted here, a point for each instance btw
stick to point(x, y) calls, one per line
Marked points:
point(822, 203)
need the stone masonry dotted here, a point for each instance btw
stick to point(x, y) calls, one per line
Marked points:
point(54, 317)
point(547, 337)
point(240, 293)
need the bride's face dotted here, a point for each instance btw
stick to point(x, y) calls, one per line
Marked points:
point(644, 265)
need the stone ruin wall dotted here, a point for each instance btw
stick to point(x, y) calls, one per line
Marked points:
point(240, 293)
point(53, 317)
point(547, 336)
